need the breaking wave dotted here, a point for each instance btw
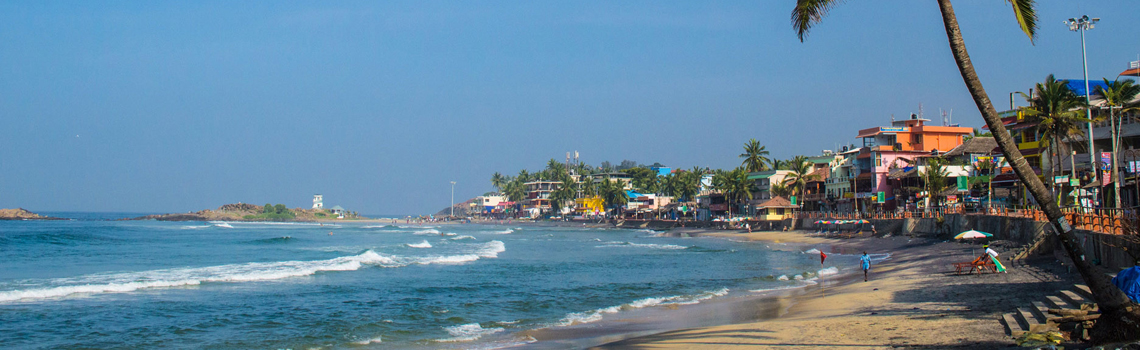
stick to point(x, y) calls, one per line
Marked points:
point(423, 244)
point(467, 332)
point(245, 272)
point(596, 315)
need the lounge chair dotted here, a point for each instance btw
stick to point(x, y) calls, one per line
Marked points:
point(980, 264)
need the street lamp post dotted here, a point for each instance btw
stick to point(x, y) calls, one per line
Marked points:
point(1082, 24)
point(453, 199)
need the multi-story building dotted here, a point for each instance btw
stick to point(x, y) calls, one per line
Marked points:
point(896, 146)
point(538, 196)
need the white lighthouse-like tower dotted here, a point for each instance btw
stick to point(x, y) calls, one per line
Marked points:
point(318, 201)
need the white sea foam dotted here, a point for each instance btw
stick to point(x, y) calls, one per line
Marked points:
point(247, 272)
point(423, 244)
point(811, 251)
point(467, 332)
point(828, 271)
point(782, 278)
point(417, 227)
point(192, 227)
point(597, 315)
point(462, 237)
point(449, 233)
point(430, 231)
point(376, 340)
point(222, 224)
point(503, 232)
point(612, 244)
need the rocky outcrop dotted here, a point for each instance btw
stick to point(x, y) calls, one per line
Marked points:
point(243, 212)
point(21, 214)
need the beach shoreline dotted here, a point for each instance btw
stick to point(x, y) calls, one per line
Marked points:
point(912, 300)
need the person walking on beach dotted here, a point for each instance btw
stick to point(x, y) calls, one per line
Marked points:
point(866, 260)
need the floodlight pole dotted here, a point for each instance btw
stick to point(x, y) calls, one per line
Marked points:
point(1082, 24)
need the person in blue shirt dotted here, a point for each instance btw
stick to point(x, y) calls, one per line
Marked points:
point(866, 259)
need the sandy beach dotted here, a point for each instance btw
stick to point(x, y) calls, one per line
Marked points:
point(913, 300)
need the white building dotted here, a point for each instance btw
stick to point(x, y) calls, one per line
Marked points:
point(318, 201)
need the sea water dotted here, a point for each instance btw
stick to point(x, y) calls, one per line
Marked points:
point(90, 283)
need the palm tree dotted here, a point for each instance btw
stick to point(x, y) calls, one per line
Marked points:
point(613, 192)
point(800, 175)
point(498, 181)
point(755, 156)
point(1120, 318)
point(1117, 94)
point(735, 186)
point(563, 195)
point(776, 164)
point(523, 176)
point(780, 190)
point(934, 179)
point(1055, 110)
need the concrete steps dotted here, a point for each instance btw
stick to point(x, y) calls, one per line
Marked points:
point(1035, 317)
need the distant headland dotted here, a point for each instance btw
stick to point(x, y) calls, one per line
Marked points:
point(21, 214)
point(253, 212)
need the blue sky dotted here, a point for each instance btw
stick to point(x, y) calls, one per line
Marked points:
point(177, 106)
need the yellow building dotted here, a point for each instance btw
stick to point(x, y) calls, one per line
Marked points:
point(589, 205)
point(775, 209)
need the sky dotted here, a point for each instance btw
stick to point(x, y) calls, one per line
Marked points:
point(143, 106)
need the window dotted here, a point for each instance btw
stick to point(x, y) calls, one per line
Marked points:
point(917, 139)
point(878, 159)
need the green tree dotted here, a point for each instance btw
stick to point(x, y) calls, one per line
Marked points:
point(613, 192)
point(801, 173)
point(735, 186)
point(268, 208)
point(755, 156)
point(934, 179)
point(516, 190)
point(977, 133)
point(1120, 316)
point(280, 208)
point(776, 164)
point(1118, 96)
point(563, 195)
point(1055, 109)
point(498, 181)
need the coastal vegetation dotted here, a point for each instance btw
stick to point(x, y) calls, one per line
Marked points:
point(277, 212)
point(1120, 318)
point(21, 214)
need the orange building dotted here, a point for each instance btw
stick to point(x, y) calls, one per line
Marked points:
point(898, 146)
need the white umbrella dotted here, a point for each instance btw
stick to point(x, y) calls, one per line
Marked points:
point(972, 234)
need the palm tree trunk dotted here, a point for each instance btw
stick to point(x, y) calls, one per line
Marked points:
point(1120, 319)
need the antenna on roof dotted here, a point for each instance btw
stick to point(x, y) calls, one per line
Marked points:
point(920, 110)
point(943, 113)
point(892, 118)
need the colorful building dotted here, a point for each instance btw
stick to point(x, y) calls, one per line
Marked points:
point(897, 146)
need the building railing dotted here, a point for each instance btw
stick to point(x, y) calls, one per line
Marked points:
point(1110, 221)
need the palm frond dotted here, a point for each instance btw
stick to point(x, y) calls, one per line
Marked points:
point(1026, 16)
point(809, 12)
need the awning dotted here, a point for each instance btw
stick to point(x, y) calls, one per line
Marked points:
point(864, 176)
point(1004, 179)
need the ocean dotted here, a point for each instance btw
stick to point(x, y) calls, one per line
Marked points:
point(91, 283)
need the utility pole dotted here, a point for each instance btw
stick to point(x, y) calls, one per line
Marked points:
point(453, 199)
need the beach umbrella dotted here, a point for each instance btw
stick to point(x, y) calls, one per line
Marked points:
point(972, 234)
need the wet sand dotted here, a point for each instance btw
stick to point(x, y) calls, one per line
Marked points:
point(912, 300)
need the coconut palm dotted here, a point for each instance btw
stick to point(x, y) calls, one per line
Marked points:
point(755, 156)
point(801, 173)
point(735, 186)
point(563, 195)
point(498, 181)
point(613, 192)
point(1117, 96)
point(1055, 110)
point(776, 164)
point(1120, 318)
point(934, 179)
